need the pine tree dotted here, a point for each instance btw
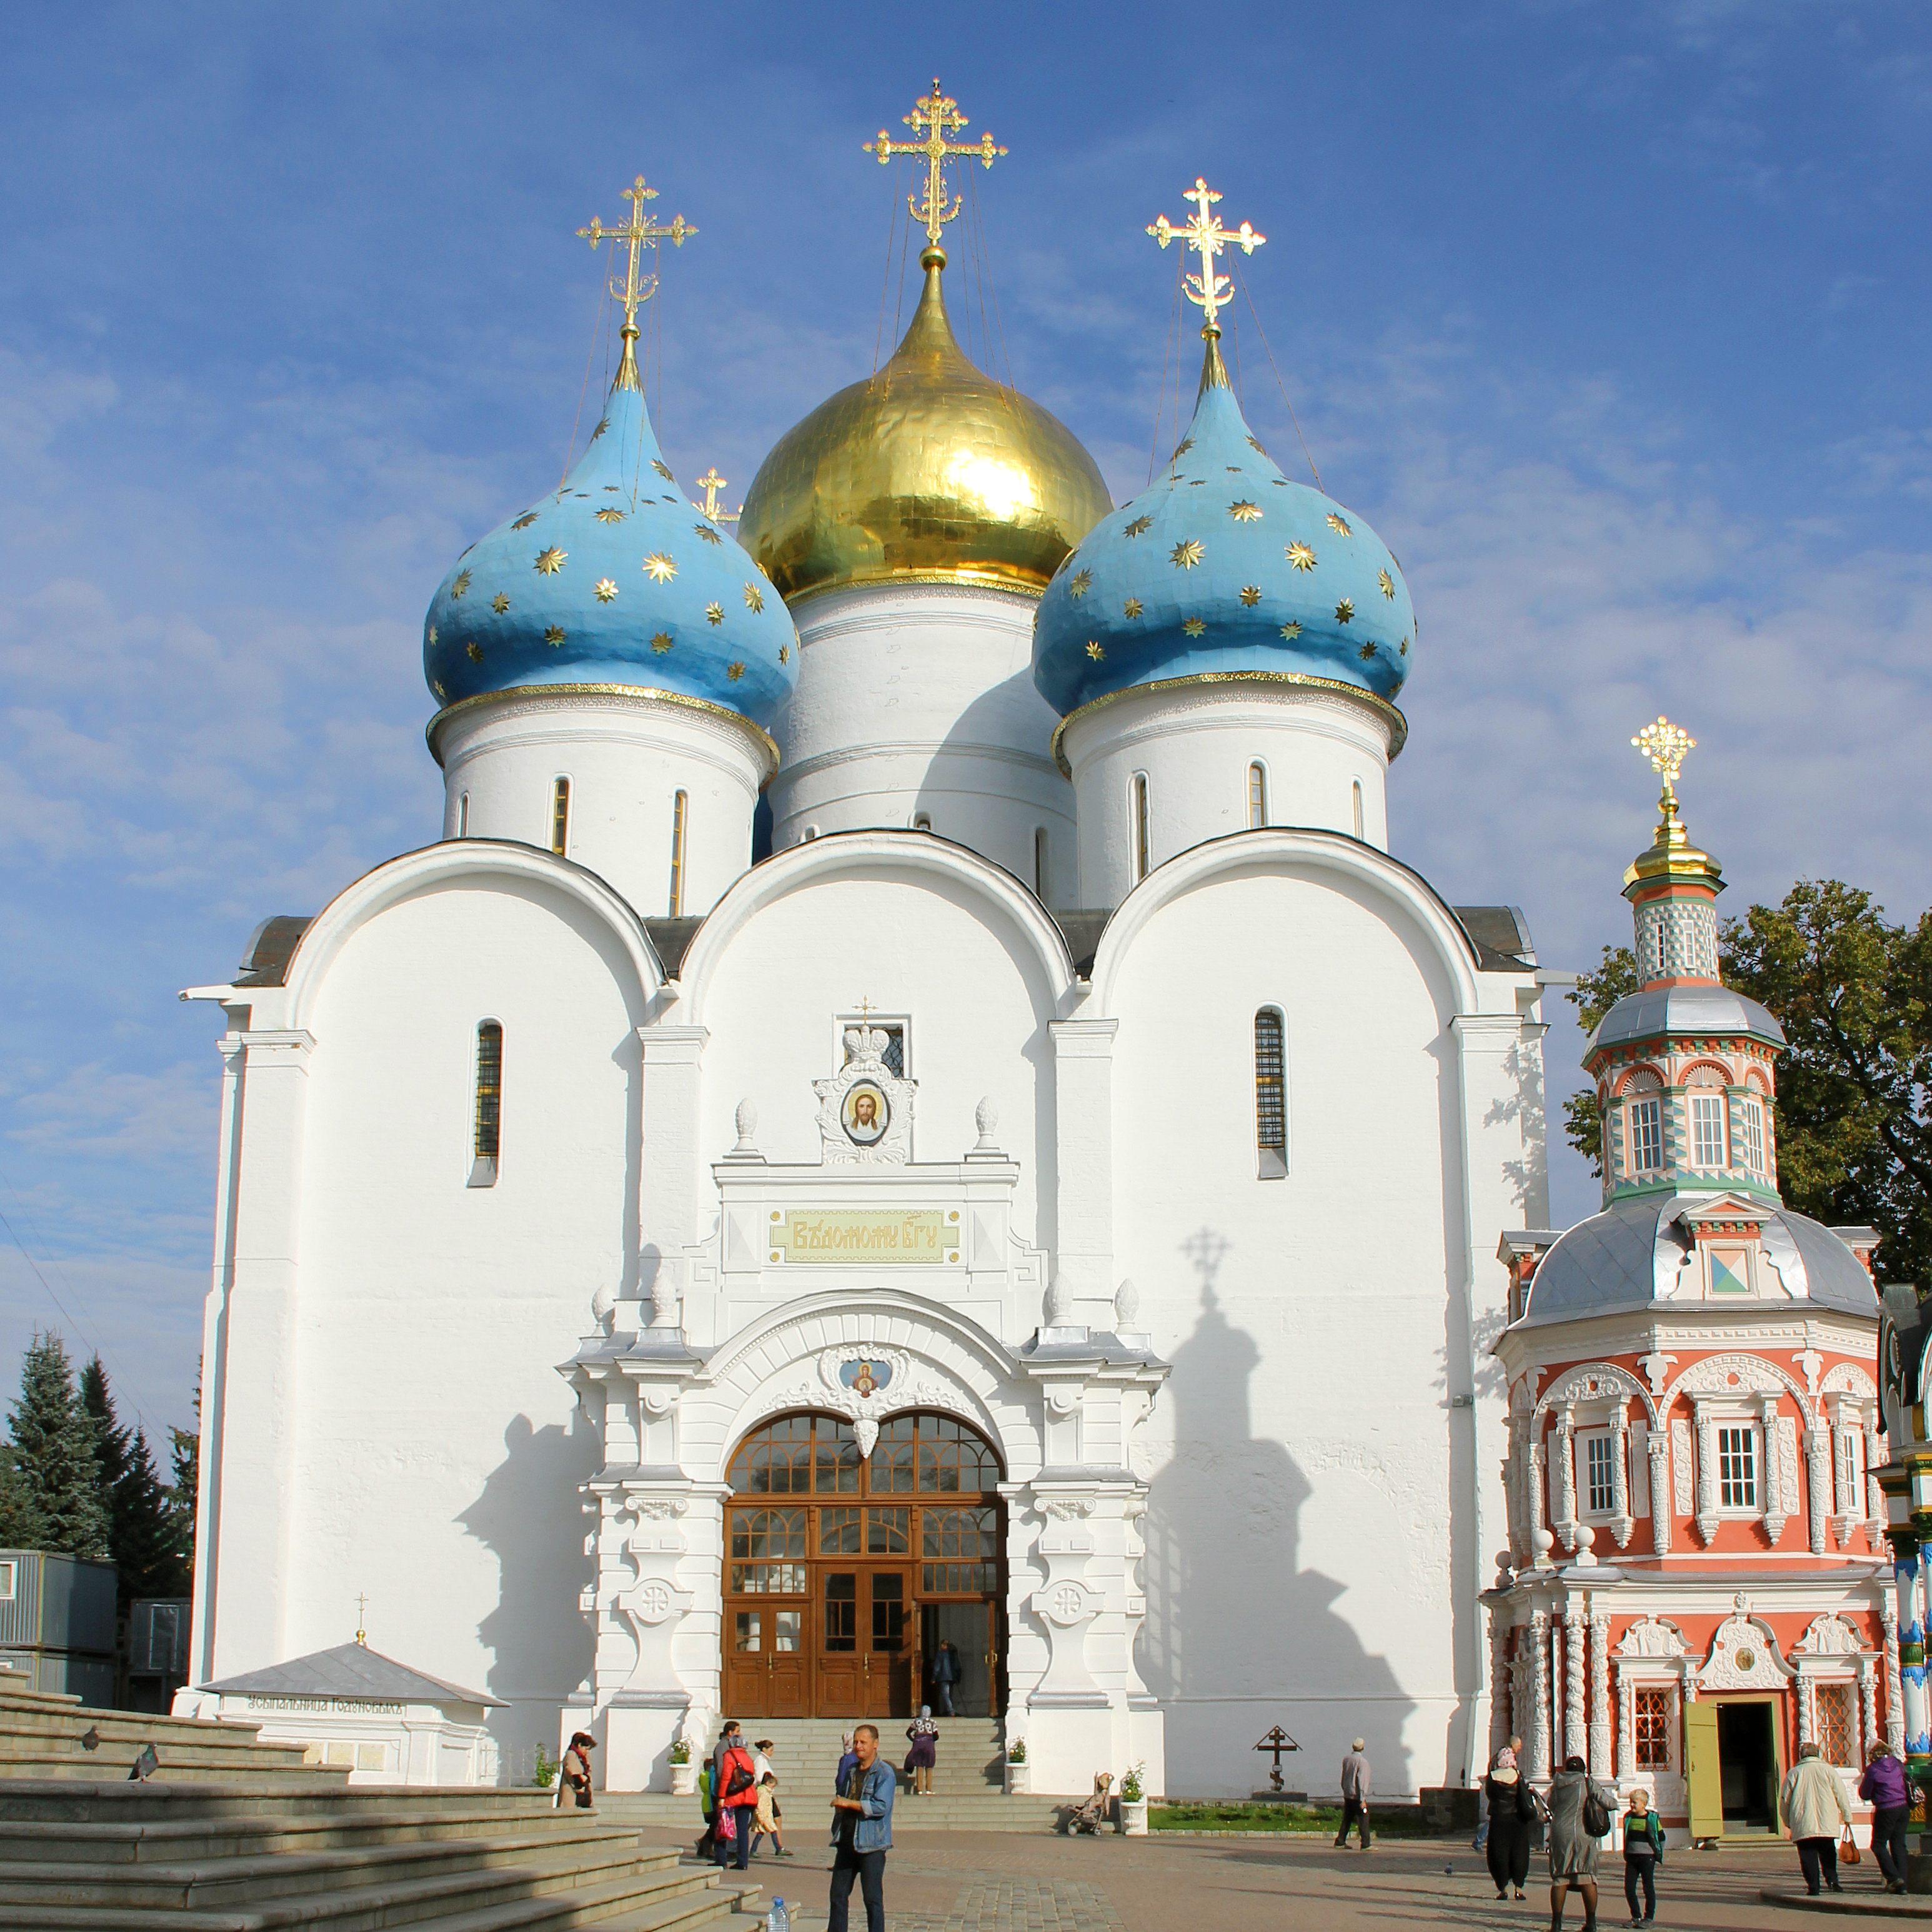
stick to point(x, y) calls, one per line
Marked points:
point(54, 1454)
point(21, 1526)
point(140, 1537)
point(184, 1496)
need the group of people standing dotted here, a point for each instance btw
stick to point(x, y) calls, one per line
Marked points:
point(1580, 1813)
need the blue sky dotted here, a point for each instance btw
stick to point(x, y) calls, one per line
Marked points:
point(1610, 318)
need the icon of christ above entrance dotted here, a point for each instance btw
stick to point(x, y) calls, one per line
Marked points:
point(845, 1573)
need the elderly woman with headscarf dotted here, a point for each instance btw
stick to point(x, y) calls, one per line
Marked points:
point(1512, 1812)
point(924, 1732)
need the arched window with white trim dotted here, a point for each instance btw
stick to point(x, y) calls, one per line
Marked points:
point(1039, 863)
point(463, 816)
point(1643, 1129)
point(559, 818)
point(1271, 1093)
point(486, 1117)
point(1361, 816)
point(680, 810)
point(1257, 796)
point(1143, 837)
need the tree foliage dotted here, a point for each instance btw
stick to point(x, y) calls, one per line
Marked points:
point(183, 1496)
point(1853, 1113)
point(142, 1535)
point(55, 1457)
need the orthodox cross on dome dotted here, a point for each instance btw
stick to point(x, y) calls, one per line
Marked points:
point(361, 1616)
point(636, 290)
point(1204, 234)
point(1666, 745)
point(711, 483)
point(936, 116)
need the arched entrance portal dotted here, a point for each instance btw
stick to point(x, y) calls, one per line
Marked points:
point(844, 1574)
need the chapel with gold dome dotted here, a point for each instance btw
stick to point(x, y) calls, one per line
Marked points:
point(854, 1171)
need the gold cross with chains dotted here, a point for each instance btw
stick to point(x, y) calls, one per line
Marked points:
point(1666, 745)
point(1204, 233)
point(938, 115)
point(711, 483)
point(637, 289)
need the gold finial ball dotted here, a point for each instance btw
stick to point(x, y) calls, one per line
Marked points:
point(1665, 745)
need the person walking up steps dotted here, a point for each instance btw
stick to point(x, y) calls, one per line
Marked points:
point(924, 1733)
point(1512, 1812)
point(1643, 1853)
point(1355, 1793)
point(864, 1809)
point(1813, 1804)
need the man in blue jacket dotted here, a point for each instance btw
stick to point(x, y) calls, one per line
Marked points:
point(865, 1822)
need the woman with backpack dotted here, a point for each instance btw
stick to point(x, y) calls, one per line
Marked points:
point(1580, 1814)
point(1512, 1812)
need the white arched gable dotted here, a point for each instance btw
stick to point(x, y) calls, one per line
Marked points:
point(1595, 1381)
point(770, 1367)
point(472, 862)
point(849, 854)
point(1282, 850)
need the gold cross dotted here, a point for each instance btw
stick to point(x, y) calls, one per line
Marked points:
point(1666, 745)
point(711, 483)
point(866, 1009)
point(938, 115)
point(1204, 233)
point(637, 289)
point(361, 1616)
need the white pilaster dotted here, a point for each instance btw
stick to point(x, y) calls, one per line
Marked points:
point(1661, 1506)
point(1083, 1244)
point(1599, 1695)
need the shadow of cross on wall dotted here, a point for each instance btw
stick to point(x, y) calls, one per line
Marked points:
point(1232, 1616)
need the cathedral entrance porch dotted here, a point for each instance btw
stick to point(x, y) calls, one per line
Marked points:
point(846, 1572)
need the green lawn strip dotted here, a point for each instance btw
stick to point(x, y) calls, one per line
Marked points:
point(1273, 1818)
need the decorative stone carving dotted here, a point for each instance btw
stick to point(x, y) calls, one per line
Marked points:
point(986, 1120)
point(1743, 1376)
point(747, 1118)
point(1662, 1508)
point(1829, 1635)
point(1656, 1370)
point(865, 1083)
point(1683, 1484)
point(1744, 1655)
point(1651, 1637)
point(1779, 1496)
point(1600, 1695)
point(1126, 1306)
point(864, 1399)
point(1059, 1303)
point(603, 1306)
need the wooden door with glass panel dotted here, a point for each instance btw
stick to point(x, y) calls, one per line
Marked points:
point(839, 1566)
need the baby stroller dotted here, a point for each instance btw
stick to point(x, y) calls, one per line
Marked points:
point(1093, 1814)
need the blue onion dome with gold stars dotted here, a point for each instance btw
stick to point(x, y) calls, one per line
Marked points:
point(1225, 569)
point(613, 578)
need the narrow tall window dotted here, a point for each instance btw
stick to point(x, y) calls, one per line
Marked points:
point(1359, 820)
point(489, 1122)
point(1257, 798)
point(1271, 1095)
point(559, 818)
point(1039, 863)
point(1652, 1710)
point(1737, 1467)
point(1600, 1490)
point(1834, 1731)
point(680, 806)
point(1663, 963)
point(1707, 1130)
point(1751, 1117)
point(463, 816)
point(1142, 863)
point(1646, 1136)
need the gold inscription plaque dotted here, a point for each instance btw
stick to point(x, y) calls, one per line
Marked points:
point(848, 1235)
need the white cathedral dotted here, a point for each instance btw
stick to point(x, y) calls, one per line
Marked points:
point(910, 1103)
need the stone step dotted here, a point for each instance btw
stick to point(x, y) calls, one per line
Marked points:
point(118, 1754)
point(176, 1842)
point(75, 1801)
point(291, 1778)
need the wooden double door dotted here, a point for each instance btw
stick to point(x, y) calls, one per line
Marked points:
point(842, 1577)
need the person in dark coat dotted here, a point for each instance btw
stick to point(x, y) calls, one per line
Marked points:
point(946, 1674)
point(1512, 1813)
point(1885, 1788)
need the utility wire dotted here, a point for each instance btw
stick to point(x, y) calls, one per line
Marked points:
point(1173, 338)
point(1279, 383)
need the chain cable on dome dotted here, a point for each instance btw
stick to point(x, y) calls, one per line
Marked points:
point(898, 302)
point(886, 279)
point(1279, 383)
point(1167, 362)
point(576, 421)
point(986, 278)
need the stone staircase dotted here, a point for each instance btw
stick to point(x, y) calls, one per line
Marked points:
point(232, 1835)
point(968, 1787)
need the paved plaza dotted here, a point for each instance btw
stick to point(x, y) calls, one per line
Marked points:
point(974, 1882)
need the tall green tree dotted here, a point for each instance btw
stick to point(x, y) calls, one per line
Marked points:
point(55, 1455)
point(21, 1526)
point(1853, 1113)
point(141, 1535)
point(184, 1498)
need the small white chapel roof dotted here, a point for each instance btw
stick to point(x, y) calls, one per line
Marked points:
point(350, 1672)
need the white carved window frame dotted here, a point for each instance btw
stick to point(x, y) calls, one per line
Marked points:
point(898, 1023)
point(1819, 1673)
point(1725, 1414)
point(1657, 1674)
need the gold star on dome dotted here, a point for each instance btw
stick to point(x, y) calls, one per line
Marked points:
point(1187, 554)
point(1387, 584)
point(600, 429)
point(1139, 527)
point(1251, 595)
point(1366, 653)
point(934, 117)
point(440, 689)
point(554, 634)
point(1301, 557)
point(1080, 584)
point(660, 568)
point(550, 561)
point(475, 651)
point(609, 515)
point(524, 522)
point(461, 584)
point(734, 672)
point(663, 468)
point(1131, 608)
point(661, 643)
point(785, 654)
point(500, 603)
point(1291, 630)
point(432, 637)
point(1335, 524)
point(1253, 445)
point(1402, 649)
point(1194, 627)
point(1096, 649)
point(754, 598)
point(607, 590)
point(1345, 611)
point(705, 533)
point(715, 612)
point(1245, 513)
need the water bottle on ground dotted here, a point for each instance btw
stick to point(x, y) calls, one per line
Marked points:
point(778, 1919)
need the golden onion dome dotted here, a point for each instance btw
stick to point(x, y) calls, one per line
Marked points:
point(928, 473)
